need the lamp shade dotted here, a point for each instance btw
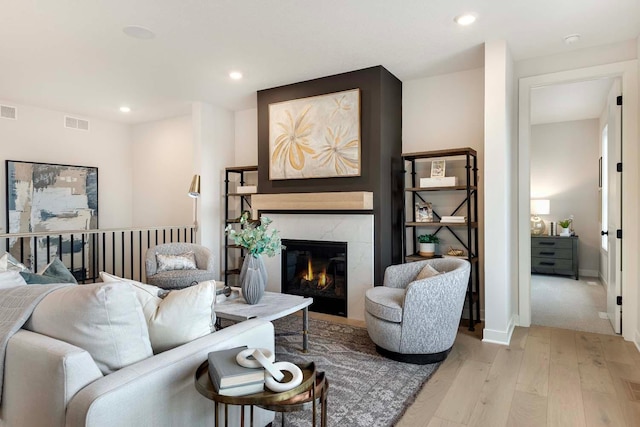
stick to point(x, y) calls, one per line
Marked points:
point(194, 189)
point(540, 207)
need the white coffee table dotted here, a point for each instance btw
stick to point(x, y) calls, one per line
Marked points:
point(272, 306)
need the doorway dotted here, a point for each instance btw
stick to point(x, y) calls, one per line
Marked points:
point(627, 72)
point(565, 134)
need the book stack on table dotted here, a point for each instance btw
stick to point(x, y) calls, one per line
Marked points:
point(231, 379)
point(453, 218)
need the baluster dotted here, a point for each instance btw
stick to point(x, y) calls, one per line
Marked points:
point(83, 274)
point(131, 253)
point(72, 252)
point(35, 253)
point(140, 254)
point(122, 255)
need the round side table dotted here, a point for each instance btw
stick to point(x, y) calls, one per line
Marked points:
point(309, 394)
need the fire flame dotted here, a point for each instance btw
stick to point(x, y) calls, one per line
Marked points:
point(309, 275)
point(322, 277)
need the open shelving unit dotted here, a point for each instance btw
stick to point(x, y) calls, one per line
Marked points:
point(234, 202)
point(466, 233)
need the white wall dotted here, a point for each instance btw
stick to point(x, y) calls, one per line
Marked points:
point(564, 169)
point(39, 135)
point(441, 112)
point(500, 177)
point(246, 137)
point(213, 136)
point(163, 167)
point(578, 58)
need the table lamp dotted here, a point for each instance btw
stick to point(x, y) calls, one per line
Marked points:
point(539, 207)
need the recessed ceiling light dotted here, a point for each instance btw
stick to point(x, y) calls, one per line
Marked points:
point(138, 32)
point(466, 19)
point(572, 38)
point(125, 109)
point(235, 75)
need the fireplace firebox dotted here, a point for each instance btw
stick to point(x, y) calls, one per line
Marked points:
point(316, 269)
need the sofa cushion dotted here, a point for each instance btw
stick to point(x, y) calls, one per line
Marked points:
point(185, 261)
point(11, 279)
point(385, 303)
point(180, 317)
point(105, 319)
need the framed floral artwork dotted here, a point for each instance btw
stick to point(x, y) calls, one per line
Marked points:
point(316, 137)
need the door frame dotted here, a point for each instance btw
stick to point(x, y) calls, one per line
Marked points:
point(627, 71)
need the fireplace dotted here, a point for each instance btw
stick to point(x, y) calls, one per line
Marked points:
point(316, 269)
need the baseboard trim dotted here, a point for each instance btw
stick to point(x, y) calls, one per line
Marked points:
point(589, 273)
point(500, 337)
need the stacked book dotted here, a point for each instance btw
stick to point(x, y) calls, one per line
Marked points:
point(454, 218)
point(231, 379)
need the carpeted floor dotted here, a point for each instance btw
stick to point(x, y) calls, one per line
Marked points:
point(566, 303)
point(365, 389)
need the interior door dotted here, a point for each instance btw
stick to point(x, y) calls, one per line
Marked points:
point(614, 211)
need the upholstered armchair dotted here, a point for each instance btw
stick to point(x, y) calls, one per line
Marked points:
point(416, 321)
point(179, 278)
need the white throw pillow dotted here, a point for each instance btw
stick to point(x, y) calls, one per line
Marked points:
point(182, 316)
point(11, 279)
point(105, 319)
point(147, 294)
point(8, 263)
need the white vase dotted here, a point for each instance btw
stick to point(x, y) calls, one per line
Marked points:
point(253, 278)
point(427, 249)
point(565, 231)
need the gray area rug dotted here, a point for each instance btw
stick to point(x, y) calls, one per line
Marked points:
point(365, 389)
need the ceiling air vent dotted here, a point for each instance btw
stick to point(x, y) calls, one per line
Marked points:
point(76, 123)
point(8, 112)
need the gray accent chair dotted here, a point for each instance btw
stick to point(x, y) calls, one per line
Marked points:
point(416, 321)
point(178, 279)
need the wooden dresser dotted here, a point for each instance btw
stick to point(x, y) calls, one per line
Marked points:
point(554, 255)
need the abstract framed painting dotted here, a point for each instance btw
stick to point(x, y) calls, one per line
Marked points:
point(44, 197)
point(315, 137)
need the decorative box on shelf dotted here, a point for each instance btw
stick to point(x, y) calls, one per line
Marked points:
point(445, 181)
point(247, 189)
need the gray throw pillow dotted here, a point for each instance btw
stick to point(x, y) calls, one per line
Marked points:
point(55, 272)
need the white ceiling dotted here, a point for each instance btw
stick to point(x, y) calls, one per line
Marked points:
point(569, 101)
point(73, 56)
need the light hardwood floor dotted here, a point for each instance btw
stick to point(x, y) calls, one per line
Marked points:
point(546, 377)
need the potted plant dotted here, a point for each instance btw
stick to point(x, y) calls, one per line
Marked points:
point(427, 244)
point(257, 240)
point(565, 224)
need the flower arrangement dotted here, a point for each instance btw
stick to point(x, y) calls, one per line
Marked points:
point(256, 239)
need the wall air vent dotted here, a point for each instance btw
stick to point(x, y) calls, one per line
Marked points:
point(76, 123)
point(8, 112)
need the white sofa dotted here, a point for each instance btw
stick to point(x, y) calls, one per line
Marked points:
point(51, 383)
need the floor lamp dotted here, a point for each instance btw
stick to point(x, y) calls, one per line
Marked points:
point(194, 191)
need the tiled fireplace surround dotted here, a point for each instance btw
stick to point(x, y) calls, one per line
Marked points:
point(344, 217)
